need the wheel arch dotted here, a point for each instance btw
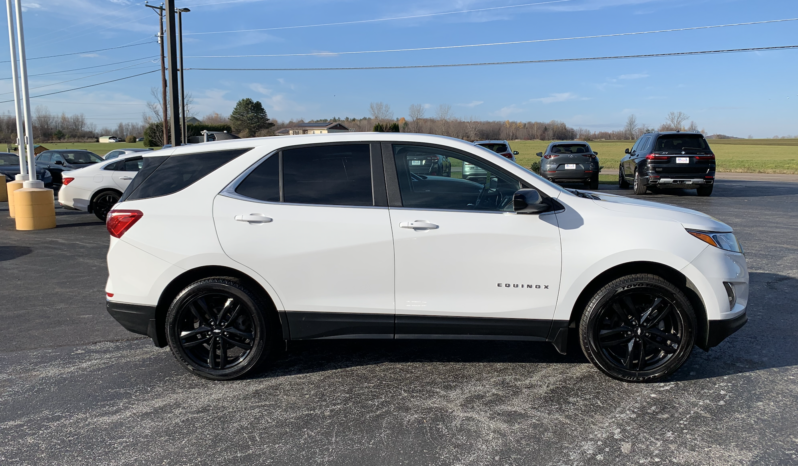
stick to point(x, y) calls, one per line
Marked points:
point(668, 273)
point(190, 276)
point(97, 193)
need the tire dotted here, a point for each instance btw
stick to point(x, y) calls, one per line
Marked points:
point(103, 202)
point(594, 183)
point(634, 314)
point(622, 183)
point(705, 190)
point(237, 338)
point(639, 187)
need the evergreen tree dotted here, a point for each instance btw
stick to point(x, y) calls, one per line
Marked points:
point(249, 115)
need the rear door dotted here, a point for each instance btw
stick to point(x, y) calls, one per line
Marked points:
point(125, 171)
point(466, 264)
point(313, 222)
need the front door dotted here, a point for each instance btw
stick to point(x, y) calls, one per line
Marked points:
point(466, 263)
point(313, 222)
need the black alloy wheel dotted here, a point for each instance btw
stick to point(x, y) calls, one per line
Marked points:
point(622, 183)
point(639, 328)
point(216, 329)
point(639, 187)
point(103, 203)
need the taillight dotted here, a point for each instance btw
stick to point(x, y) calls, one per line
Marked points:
point(110, 295)
point(705, 158)
point(120, 221)
point(657, 157)
point(550, 156)
point(507, 155)
point(66, 181)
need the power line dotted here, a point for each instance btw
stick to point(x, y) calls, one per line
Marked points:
point(105, 104)
point(397, 18)
point(84, 68)
point(84, 87)
point(518, 62)
point(445, 47)
point(78, 53)
point(76, 79)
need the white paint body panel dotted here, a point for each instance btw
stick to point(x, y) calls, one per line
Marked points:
point(91, 180)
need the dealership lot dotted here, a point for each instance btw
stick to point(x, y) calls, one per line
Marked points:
point(77, 388)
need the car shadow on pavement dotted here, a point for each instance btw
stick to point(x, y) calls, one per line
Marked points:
point(9, 253)
point(765, 343)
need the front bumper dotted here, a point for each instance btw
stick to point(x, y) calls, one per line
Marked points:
point(136, 318)
point(719, 330)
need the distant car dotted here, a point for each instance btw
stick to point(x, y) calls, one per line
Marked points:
point(118, 152)
point(139, 139)
point(429, 164)
point(59, 161)
point(499, 146)
point(9, 166)
point(669, 160)
point(96, 189)
point(570, 161)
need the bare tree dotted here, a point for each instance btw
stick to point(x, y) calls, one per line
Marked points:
point(676, 120)
point(631, 126)
point(380, 112)
point(443, 115)
point(472, 128)
point(215, 119)
point(416, 113)
point(156, 108)
point(693, 127)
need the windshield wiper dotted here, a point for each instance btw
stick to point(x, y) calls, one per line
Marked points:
point(579, 193)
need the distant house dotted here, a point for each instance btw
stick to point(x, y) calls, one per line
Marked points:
point(314, 128)
point(37, 149)
point(211, 136)
point(107, 139)
point(193, 121)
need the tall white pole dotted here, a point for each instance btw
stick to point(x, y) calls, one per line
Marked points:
point(23, 70)
point(23, 168)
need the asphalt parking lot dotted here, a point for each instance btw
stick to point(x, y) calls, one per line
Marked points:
point(76, 388)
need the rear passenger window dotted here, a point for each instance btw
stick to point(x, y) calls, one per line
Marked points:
point(328, 175)
point(131, 165)
point(176, 173)
point(263, 183)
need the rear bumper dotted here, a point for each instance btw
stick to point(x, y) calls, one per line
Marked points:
point(719, 330)
point(136, 318)
point(677, 182)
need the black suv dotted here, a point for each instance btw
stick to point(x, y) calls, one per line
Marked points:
point(669, 160)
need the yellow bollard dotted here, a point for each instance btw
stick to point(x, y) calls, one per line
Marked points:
point(34, 209)
point(10, 189)
point(3, 193)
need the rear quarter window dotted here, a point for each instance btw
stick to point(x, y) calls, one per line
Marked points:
point(171, 174)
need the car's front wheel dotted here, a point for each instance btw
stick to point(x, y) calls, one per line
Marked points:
point(218, 329)
point(638, 328)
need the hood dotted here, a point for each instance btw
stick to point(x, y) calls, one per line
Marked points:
point(691, 219)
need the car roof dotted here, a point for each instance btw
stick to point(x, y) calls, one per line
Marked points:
point(658, 133)
point(492, 141)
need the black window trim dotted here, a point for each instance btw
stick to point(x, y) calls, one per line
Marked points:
point(378, 189)
point(395, 195)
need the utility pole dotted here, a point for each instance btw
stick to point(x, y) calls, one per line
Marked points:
point(159, 12)
point(182, 71)
point(171, 54)
point(23, 168)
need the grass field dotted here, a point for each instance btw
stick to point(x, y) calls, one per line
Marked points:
point(733, 155)
point(96, 147)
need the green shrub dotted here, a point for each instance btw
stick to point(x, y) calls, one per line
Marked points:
point(130, 139)
point(535, 167)
point(378, 128)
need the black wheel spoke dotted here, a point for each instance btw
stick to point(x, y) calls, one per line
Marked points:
point(239, 333)
point(233, 316)
point(212, 354)
point(623, 315)
point(222, 353)
point(227, 305)
point(660, 316)
point(641, 361)
point(194, 332)
point(614, 337)
point(629, 355)
point(665, 336)
point(194, 343)
point(660, 346)
point(198, 315)
point(242, 345)
point(657, 302)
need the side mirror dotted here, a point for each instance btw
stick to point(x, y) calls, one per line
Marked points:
point(595, 152)
point(515, 152)
point(626, 151)
point(58, 162)
point(539, 154)
point(528, 201)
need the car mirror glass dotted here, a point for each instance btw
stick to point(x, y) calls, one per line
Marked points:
point(515, 152)
point(539, 154)
point(528, 201)
point(595, 152)
point(626, 151)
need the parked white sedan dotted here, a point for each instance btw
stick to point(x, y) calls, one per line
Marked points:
point(97, 188)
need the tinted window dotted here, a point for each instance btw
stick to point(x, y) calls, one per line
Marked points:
point(6, 159)
point(264, 182)
point(112, 166)
point(329, 175)
point(468, 183)
point(131, 164)
point(44, 157)
point(148, 168)
point(681, 143)
point(570, 149)
point(79, 157)
point(180, 172)
point(498, 148)
point(112, 155)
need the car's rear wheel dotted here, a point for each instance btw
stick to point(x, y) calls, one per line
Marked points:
point(103, 202)
point(705, 190)
point(594, 183)
point(622, 183)
point(638, 328)
point(218, 329)
point(639, 187)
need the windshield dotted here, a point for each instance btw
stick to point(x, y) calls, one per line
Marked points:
point(9, 159)
point(570, 149)
point(495, 147)
point(82, 157)
point(681, 143)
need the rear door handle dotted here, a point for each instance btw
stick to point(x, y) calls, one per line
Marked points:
point(125, 178)
point(419, 225)
point(253, 218)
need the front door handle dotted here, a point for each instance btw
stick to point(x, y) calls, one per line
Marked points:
point(125, 178)
point(419, 225)
point(253, 218)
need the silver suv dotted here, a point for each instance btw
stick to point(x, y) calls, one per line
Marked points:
point(570, 161)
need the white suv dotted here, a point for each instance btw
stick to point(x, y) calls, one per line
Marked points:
point(225, 250)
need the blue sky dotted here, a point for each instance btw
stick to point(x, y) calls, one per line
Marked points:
point(738, 94)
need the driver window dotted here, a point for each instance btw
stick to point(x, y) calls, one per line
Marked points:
point(58, 158)
point(431, 178)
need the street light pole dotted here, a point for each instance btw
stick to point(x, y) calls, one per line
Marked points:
point(23, 168)
point(182, 71)
point(171, 58)
point(32, 182)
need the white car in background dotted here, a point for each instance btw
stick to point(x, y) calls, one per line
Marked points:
point(120, 152)
point(97, 188)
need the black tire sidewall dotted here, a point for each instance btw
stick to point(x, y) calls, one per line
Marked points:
point(260, 345)
point(97, 196)
point(591, 315)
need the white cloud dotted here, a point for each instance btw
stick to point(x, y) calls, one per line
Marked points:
point(505, 112)
point(558, 97)
point(472, 104)
point(260, 89)
point(89, 55)
point(31, 6)
point(633, 76)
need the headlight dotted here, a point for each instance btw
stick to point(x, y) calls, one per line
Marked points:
point(725, 241)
